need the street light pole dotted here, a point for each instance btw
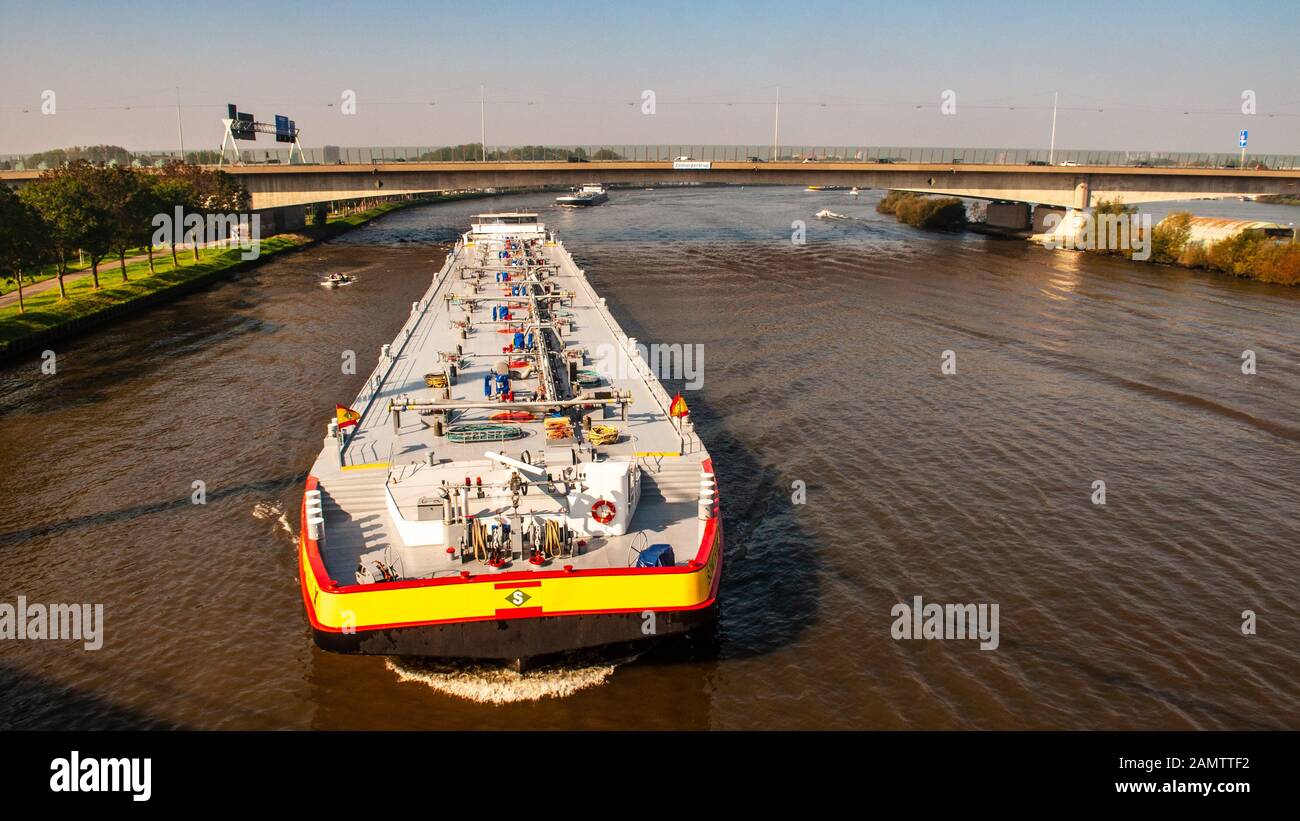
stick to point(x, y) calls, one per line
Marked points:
point(180, 131)
point(776, 124)
point(1051, 152)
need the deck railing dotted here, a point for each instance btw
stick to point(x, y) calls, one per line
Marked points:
point(370, 155)
point(370, 390)
point(689, 440)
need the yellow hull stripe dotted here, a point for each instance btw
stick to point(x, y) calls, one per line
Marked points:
point(477, 599)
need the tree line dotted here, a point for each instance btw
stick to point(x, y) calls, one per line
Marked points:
point(102, 154)
point(102, 211)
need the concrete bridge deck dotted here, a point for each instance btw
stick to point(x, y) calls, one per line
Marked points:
point(1077, 186)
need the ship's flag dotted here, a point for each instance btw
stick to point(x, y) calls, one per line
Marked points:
point(346, 415)
point(678, 408)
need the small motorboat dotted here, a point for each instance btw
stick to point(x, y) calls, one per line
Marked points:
point(827, 214)
point(336, 279)
point(854, 192)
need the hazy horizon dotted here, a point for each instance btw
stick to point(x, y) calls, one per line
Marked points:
point(1160, 76)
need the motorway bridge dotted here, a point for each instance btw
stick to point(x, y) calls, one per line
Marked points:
point(1070, 186)
point(277, 187)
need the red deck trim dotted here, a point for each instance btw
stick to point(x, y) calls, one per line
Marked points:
point(323, 577)
point(519, 612)
point(514, 614)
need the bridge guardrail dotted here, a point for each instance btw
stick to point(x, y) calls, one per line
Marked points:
point(472, 152)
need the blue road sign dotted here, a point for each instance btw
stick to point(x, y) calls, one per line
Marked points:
point(1241, 138)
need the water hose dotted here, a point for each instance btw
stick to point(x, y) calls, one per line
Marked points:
point(602, 435)
point(478, 541)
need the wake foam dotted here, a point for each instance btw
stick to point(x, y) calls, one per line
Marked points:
point(273, 510)
point(489, 684)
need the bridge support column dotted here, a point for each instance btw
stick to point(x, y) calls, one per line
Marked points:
point(279, 220)
point(1041, 213)
point(1082, 194)
point(1012, 215)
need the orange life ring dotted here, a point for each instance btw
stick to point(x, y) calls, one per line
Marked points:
point(603, 511)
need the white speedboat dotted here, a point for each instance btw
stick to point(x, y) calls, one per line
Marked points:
point(827, 214)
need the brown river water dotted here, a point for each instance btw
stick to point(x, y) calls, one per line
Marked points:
point(822, 366)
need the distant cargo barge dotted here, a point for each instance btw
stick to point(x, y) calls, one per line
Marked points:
point(583, 197)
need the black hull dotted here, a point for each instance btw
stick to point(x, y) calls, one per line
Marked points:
point(514, 639)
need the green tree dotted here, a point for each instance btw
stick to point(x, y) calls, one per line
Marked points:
point(93, 153)
point(146, 203)
point(215, 191)
point(1112, 208)
point(23, 240)
point(72, 220)
point(1169, 237)
point(120, 190)
point(890, 202)
point(938, 213)
point(203, 157)
point(170, 193)
point(93, 185)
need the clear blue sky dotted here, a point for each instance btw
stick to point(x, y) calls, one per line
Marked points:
point(850, 73)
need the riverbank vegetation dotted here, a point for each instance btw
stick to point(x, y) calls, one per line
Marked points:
point(1247, 254)
point(923, 211)
point(47, 312)
point(101, 211)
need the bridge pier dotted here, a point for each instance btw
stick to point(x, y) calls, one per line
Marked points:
point(1041, 213)
point(1082, 193)
point(281, 219)
point(1010, 215)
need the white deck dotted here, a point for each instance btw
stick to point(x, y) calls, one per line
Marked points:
point(359, 525)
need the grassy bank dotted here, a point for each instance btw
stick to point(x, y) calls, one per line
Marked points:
point(1246, 255)
point(48, 272)
point(48, 317)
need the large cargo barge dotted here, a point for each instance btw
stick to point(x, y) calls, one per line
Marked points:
point(513, 480)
